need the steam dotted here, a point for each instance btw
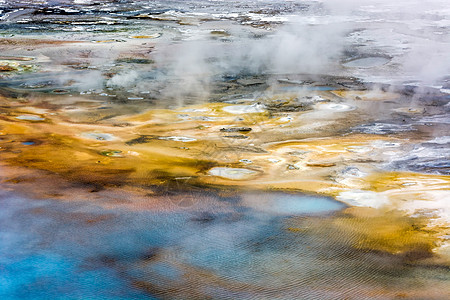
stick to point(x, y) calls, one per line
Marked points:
point(429, 62)
point(305, 49)
point(123, 79)
point(414, 34)
point(295, 48)
point(314, 43)
point(186, 70)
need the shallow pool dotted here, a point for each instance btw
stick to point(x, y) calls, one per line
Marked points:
point(242, 247)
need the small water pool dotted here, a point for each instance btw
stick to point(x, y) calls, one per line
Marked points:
point(290, 204)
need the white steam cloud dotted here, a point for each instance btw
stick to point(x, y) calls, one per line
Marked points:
point(123, 79)
point(293, 49)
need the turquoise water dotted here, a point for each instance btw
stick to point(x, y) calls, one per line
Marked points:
point(68, 251)
point(291, 204)
point(44, 255)
point(233, 248)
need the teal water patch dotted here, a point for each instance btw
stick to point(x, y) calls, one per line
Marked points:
point(45, 254)
point(290, 204)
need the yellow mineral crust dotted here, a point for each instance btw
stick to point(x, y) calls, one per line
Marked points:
point(371, 229)
point(372, 95)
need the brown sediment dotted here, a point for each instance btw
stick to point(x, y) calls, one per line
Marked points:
point(20, 58)
point(38, 184)
point(7, 68)
point(82, 161)
point(33, 42)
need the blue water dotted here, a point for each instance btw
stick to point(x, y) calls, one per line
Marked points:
point(54, 250)
point(292, 204)
point(231, 248)
point(44, 254)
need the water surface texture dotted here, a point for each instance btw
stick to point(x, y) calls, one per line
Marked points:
point(79, 250)
point(224, 149)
